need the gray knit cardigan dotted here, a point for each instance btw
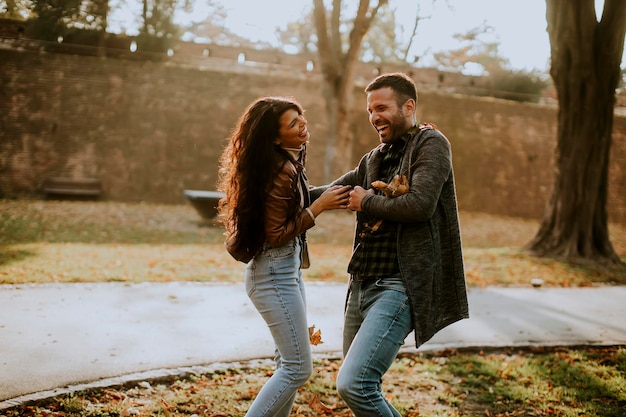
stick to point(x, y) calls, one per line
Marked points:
point(429, 239)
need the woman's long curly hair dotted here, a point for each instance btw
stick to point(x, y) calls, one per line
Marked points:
point(248, 166)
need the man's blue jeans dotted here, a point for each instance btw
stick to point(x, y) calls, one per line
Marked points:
point(274, 284)
point(377, 321)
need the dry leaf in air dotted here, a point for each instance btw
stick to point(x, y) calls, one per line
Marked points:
point(315, 337)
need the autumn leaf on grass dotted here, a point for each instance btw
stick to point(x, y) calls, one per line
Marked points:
point(166, 408)
point(315, 337)
point(319, 407)
point(114, 394)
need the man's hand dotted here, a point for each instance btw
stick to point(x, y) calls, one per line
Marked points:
point(356, 197)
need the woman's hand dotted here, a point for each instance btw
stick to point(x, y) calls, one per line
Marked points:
point(335, 197)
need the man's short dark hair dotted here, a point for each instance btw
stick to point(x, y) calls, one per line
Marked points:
point(400, 83)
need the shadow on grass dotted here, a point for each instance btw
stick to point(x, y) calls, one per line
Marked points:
point(84, 232)
point(513, 266)
point(587, 382)
point(597, 272)
point(8, 255)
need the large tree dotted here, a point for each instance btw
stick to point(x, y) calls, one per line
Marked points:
point(53, 17)
point(56, 19)
point(338, 61)
point(585, 67)
point(15, 9)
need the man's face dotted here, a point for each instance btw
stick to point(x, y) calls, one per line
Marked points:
point(389, 120)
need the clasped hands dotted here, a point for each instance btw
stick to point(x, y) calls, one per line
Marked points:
point(341, 197)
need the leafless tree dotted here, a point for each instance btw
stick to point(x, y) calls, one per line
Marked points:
point(338, 61)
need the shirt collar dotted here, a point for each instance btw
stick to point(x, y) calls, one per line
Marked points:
point(297, 154)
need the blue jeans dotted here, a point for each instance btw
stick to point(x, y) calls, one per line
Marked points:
point(274, 284)
point(377, 321)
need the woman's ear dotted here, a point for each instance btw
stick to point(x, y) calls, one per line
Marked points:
point(276, 141)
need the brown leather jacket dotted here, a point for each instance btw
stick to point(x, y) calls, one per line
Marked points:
point(280, 225)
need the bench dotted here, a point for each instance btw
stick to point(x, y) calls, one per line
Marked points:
point(205, 202)
point(72, 187)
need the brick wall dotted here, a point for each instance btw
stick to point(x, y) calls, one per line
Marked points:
point(150, 129)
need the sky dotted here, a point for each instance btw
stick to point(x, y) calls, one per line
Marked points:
point(518, 26)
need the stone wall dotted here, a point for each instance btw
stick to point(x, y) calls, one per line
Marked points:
point(150, 129)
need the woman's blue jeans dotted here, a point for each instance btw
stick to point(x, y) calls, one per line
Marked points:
point(274, 284)
point(377, 321)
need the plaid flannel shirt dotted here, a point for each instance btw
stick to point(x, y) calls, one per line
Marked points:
point(376, 254)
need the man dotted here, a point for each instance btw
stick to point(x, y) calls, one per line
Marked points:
point(406, 271)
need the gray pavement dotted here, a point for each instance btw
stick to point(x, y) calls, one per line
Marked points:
point(56, 338)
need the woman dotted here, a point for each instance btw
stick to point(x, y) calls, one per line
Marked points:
point(267, 211)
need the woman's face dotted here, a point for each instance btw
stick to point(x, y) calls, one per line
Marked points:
point(293, 131)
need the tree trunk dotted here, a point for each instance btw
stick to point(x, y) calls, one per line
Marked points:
point(585, 67)
point(103, 9)
point(338, 68)
point(339, 140)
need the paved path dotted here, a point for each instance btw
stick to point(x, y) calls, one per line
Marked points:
point(58, 337)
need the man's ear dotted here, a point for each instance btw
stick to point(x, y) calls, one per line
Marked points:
point(409, 107)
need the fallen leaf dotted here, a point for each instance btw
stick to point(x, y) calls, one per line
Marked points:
point(115, 394)
point(319, 407)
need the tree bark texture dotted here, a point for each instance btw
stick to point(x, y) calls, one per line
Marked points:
point(585, 68)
